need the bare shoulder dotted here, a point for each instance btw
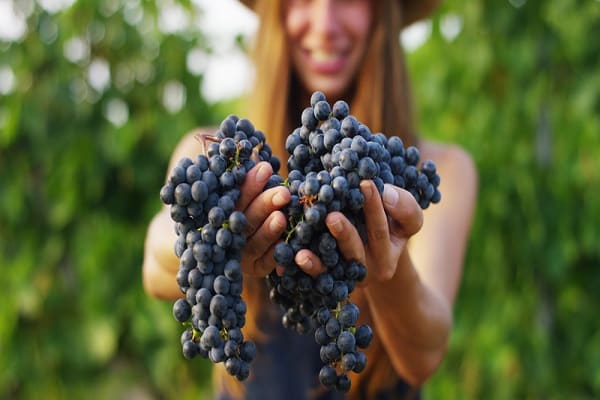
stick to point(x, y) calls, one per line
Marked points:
point(455, 165)
point(438, 248)
point(447, 155)
point(459, 185)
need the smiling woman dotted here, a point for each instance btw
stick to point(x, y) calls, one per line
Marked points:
point(327, 43)
point(348, 50)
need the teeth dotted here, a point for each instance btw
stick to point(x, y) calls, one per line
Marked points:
point(324, 56)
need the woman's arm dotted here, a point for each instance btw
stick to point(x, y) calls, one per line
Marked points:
point(410, 297)
point(413, 310)
point(160, 263)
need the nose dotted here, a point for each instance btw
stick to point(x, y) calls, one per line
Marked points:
point(324, 17)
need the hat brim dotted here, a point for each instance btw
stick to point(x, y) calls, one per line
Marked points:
point(413, 10)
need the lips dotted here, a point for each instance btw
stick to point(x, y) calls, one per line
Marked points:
point(324, 61)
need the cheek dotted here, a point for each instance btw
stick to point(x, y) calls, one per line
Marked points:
point(358, 21)
point(295, 22)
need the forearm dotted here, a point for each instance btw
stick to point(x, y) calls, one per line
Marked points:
point(160, 263)
point(412, 321)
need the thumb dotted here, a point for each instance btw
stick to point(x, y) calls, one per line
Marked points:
point(403, 209)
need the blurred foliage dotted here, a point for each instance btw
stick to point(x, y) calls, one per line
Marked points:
point(519, 88)
point(82, 157)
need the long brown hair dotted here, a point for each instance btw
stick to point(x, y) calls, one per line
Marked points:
point(380, 98)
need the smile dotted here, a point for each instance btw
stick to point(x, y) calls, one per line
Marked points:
point(325, 61)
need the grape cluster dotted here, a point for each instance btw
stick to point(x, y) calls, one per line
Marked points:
point(202, 195)
point(330, 153)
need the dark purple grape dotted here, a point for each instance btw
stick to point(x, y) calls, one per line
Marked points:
point(349, 126)
point(233, 365)
point(367, 169)
point(348, 159)
point(237, 222)
point(322, 109)
point(292, 141)
point(177, 175)
point(412, 155)
point(348, 315)
point(190, 349)
point(348, 361)
point(167, 194)
point(246, 126)
point(363, 335)
point(247, 351)
point(328, 376)
point(283, 253)
point(218, 305)
point(343, 383)
point(324, 284)
point(183, 194)
point(333, 327)
point(217, 164)
point(182, 310)
point(346, 342)
point(340, 109)
point(321, 336)
point(316, 97)
point(329, 353)
point(308, 118)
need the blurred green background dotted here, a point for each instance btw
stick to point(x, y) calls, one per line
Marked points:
point(95, 94)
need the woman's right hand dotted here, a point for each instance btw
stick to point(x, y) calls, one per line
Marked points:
point(266, 223)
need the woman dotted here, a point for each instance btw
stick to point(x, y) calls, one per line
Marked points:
point(349, 50)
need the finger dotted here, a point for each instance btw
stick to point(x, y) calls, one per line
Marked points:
point(263, 205)
point(379, 246)
point(309, 263)
point(378, 234)
point(258, 251)
point(255, 181)
point(403, 209)
point(346, 235)
point(265, 264)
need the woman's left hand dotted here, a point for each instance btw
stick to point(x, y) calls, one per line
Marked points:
point(391, 220)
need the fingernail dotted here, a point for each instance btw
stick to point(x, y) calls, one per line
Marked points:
point(305, 263)
point(275, 226)
point(336, 225)
point(263, 173)
point(278, 199)
point(366, 189)
point(390, 196)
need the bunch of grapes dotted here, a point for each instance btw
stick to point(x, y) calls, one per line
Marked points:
point(202, 195)
point(330, 153)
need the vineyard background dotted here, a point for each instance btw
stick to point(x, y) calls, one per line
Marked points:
point(83, 155)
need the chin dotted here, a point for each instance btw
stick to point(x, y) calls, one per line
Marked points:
point(333, 90)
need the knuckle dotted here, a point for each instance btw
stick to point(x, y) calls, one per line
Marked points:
point(251, 227)
point(378, 234)
point(416, 218)
point(386, 274)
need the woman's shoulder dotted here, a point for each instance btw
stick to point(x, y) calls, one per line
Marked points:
point(446, 154)
point(452, 161)
point(458, 173)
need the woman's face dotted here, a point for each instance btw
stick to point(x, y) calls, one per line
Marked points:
point(328, 39)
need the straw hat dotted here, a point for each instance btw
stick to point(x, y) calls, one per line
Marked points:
point(413, 10)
